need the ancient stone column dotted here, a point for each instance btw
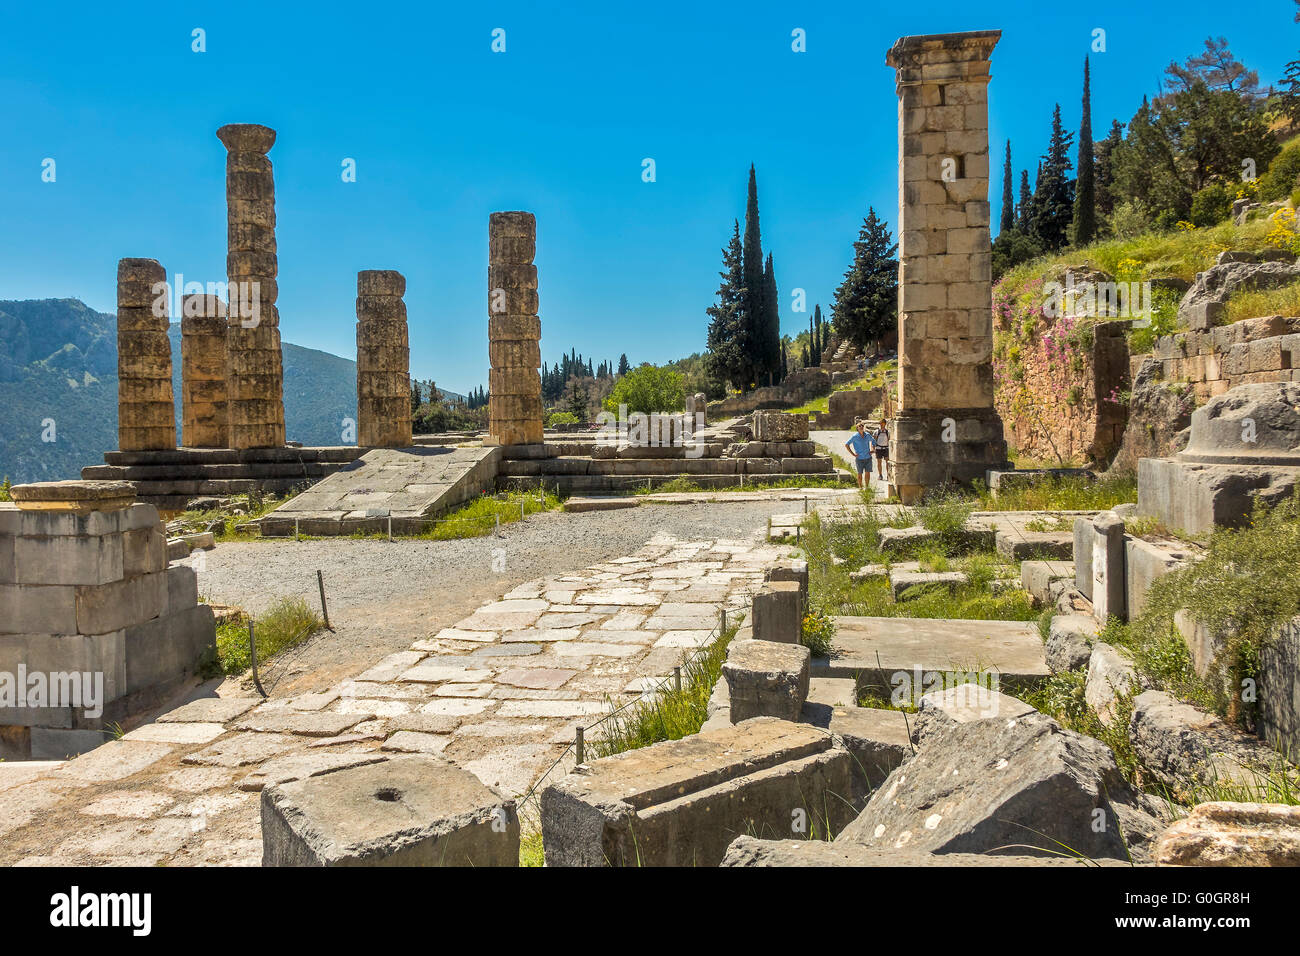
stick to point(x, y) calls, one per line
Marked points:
point(383, 361)
point(946, 430)
point(514, 331)
point(203, 372)
point(146, 411)
point(255, 374)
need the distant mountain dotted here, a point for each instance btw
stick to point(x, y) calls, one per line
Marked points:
point(58, 379)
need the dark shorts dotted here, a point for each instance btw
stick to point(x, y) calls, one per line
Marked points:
point(864, 464)
point(882, 454)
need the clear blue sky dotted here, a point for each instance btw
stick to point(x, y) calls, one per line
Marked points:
point(444, 131)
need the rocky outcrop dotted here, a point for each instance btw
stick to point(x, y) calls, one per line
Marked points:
point(1232, 834)
point(1233, 274)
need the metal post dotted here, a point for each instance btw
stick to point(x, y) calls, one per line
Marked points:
point(521, 509)
point(390, 527)
point(805, 504)
point(325, 613)
point(677, 679)
point(252, 654)
point(578, 747)
point(724, 620)
point(295, 529)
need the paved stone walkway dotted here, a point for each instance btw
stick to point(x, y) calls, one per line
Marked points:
point(499, 693)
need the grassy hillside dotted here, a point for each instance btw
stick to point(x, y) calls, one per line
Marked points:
point(58, 363)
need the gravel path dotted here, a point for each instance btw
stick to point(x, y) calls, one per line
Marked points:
point(384, 595)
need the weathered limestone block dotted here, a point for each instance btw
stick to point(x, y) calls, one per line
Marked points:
point(1083, 556)
point(383, 361)
point(766, 679)
point(1037, 577)
point(146, 413)
point(1144, 562)
point(908, 585)
point(1110, 676)
point(946, 427)
point(752, 851)
point(1279, 687)
point(778, 612)
point(514, 331)
point(1232, 834)
point(780, 426)
point(943, 711)
point(254, 371)
point(681, 802)
point(204, 330)
point(1181, 746)
point(790, 569)
point(1109, 584)
point(1069, 642)
point(418, 810)
point(988, 785)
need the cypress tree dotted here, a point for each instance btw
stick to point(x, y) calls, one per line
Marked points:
point(754, 311)
point(623, 366)
point(1085, 199)
point(729, 358)
point(866, 302)
point(1008, 195)
point(1025, 210)
point(771, 322)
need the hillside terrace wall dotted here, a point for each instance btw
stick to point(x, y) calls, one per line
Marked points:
point(1247, 352)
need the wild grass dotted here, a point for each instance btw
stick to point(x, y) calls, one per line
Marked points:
point(531, 852)
point(288, 622)
point(1061, 697)
point(1063, 493)
point(1243, 589)
point(256, 505)
point(1284, 300)
point(4, 489)
point(668, 713)
point(1180, 253)
point(686, 485)
point(481, 516)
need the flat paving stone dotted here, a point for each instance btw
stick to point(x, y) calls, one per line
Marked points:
point(550, 708)
point(300, 765)
point(1012, 649)
point(482, 689)
point(538, 678)
point(302, 723)
point(588, 649)
point(391, 666)
point(506, 650)
point(458, 706)
point(178, 733)
point(696, 638)
point(410, 741)
point(140, 804)
point(16, 772)
point(625, 621)
point(369, 707)
point(114, 760)
point(210, 710)
point(240, 750)
point(437, 673)
point(541, 635)
point(621, 637)
point(197, 779)
point(459, 634)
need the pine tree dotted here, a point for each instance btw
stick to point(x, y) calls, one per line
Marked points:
point(1008, 195)
point(729, 358)
point(866, 302)
point(754, 311)
point(1105, 170)
point(785, 362)
point(1084, 227)
point(1054, 191)
point(623, 365)
point(416, 400)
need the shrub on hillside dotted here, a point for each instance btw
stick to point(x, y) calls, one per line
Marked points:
point(1212, 205)
point(648, 389)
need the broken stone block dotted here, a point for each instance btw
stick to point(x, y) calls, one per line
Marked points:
point(1019, 544)
point(1007, 786)
point(766, 679)
point(1180, 746)
point(1232, 834)
point(1110, 676)
point(1109, 587)
point(1279, 687)
point(1069, 641)
point(681, 802)
point(751, 851)
point(418, 810)
point(938, 713)
point(793, 569)
point(1144, 562)
point(777, 612)
point(1037, 578)
point(780, 426)
point(1083, 556)
point(908, 585)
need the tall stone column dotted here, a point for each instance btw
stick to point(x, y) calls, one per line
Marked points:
point(203, 372)
point(146, 409)
point(383, 361)
point(255, 375)
point(946, 430)
point(514, 331)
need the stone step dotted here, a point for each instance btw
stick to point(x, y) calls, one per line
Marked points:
point(881, 652)
point(581, 504)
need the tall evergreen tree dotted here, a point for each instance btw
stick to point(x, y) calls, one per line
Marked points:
point(818, 334)
point(1025, 209)
point(1008, 195)
point(754, 311)
point(623, 365)
point(785, 362)
point(1054, 191)
point(729, 358)
point(771, 323)
point(866, 302)
point(1084, 227)
point(1105, 170)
